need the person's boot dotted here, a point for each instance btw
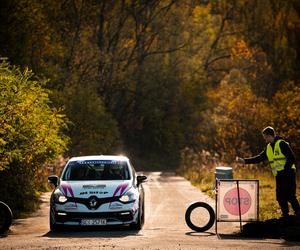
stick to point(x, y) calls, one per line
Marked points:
point(298, 214)
point(284, 218)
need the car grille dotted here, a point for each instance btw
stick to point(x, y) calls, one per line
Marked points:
point(109, 216)
point(100, 201)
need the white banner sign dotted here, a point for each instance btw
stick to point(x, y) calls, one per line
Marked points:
point(228, 200)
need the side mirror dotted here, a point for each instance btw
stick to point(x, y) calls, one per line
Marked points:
point(53, 179)
point(140, 179)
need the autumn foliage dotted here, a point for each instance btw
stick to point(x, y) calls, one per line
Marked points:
point(148, 78)
point(32, 134)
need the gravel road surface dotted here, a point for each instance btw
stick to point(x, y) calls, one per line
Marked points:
point(167, 197)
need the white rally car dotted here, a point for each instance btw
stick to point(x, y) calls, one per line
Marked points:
point(97, 191)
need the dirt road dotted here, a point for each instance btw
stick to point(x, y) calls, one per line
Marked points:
point(167, 197)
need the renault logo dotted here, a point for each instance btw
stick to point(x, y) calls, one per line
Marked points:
point(93, 202)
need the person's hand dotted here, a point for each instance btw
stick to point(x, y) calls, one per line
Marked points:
point(240, 160)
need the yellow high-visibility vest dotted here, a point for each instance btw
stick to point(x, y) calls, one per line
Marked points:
point(276, 158)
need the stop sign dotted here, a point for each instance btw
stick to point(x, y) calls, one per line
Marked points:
point(231, 201)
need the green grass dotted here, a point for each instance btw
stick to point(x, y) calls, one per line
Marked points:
point(204, 178)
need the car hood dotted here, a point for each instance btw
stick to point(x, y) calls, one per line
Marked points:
point(101, 189)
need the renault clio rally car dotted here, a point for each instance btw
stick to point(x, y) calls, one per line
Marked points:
point(97, 191)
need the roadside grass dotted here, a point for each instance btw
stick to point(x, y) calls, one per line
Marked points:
point(203, 177)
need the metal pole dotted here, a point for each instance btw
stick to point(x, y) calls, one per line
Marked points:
point(216, 206)
point(257, 198)
point(240, 215)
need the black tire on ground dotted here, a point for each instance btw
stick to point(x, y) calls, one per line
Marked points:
point(201, 228)
point(7, 217)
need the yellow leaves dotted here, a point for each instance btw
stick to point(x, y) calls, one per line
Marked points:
point(129, 43)
point(241, 50)
point(254, 65)
point(238, 115)
point(201, 12)
point(2, 142)
point(293, 20)
point(279, 19)
point(284, 42)
point(197, 12)
point(26, 118)
point(286, 104)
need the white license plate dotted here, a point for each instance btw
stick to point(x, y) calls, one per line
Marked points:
point(93, 222)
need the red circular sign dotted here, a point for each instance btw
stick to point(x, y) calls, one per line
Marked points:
point(231, 203)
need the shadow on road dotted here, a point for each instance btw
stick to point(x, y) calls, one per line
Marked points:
point(261, 240)
point(110, 232)
point(287, 229)
point(203, 234)
point(3, 235)
point(235, 236)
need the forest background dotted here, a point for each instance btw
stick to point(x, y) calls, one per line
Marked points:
point(160, 81)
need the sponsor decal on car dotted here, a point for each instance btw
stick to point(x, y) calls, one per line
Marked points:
point(94, 186)
point(93, 192)
point(99, 162)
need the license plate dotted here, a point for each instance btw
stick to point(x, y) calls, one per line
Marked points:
point(93, 222)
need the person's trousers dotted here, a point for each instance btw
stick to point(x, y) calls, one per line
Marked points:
point(286, 191)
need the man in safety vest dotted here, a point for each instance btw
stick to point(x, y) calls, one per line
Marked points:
point(282, 161)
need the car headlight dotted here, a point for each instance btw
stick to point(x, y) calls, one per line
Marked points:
point(129, 196)
point(59, 197)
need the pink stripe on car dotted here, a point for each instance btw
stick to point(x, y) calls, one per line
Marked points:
point(121, 188)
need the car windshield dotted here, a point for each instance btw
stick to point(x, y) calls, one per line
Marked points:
point(96, 170)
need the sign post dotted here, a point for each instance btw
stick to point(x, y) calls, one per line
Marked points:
point(237, 201)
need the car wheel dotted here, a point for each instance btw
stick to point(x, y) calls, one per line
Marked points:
point(143, 214)
point(53, 226)
point(141, 218)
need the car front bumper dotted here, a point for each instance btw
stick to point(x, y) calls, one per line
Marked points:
point(111, 218)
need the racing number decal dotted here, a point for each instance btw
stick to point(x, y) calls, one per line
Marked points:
point(231, 203)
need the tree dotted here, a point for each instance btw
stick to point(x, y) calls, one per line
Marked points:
point(62, 45)
point(237, 117)
point(93, 130)
point(271, 27)
point(286, 106)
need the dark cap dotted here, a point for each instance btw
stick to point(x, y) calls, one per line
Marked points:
point(269, 131)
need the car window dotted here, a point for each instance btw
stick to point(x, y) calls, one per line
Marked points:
point(96, 170)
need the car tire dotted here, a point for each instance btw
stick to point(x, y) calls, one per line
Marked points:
point(7, 214)
point(210, 222)
point(53, 226)
point(143, 214)
point(141, 219)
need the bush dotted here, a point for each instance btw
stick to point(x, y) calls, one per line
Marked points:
point(31, 134)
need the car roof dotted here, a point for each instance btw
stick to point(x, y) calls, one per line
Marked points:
point(100, 157)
